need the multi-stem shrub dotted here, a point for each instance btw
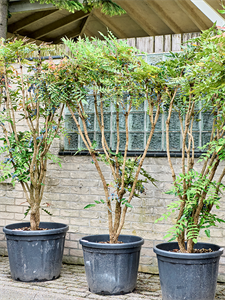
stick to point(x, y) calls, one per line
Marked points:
point(196, 84)
point(111, 70)
point(31, 93)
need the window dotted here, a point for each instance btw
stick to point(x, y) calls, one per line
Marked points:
point(139, 126)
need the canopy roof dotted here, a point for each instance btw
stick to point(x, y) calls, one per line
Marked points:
point(44, 22)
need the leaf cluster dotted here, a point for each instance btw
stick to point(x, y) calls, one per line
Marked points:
point(107, 7)
point(31, 93)
point(194, 84)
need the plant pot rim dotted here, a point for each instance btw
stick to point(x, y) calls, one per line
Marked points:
point(138, 241)
point(59, 227)
point(217, 251)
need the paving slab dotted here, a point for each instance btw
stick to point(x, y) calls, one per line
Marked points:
point(72, 285)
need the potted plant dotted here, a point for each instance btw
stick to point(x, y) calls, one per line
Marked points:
point(119, 80)
point(188, 269)
point(30, 119)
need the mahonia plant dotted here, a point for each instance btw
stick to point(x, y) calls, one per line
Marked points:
point(195, 83)
point(31, 92)
point(110, 70)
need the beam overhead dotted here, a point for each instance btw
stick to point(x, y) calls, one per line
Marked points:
point(84, 25)
point(71, 34)
point(160, 11)
point(13, 28)
point(136, 15)
point(58, 24)
point(208, 10)
point(190, 9)
point(107, 22)
point(25, 6)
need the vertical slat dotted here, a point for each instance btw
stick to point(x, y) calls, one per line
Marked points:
point(195, 34)
point(162, 43)
point(159, 44)
point(186, 37)
point(176, 42)
point(168, 43)
point(145, 44)
point(131, 42)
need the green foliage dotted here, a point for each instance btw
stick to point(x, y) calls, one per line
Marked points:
point(27, 211)
point(31, 93)
point(194, 83)
point(110, 70)
point(108, 7)
point(197, 185)
point(131, 165)
point(222, 11)
point(46, 211)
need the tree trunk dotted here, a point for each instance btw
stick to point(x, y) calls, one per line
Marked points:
point(35, 218)
point(3, 18)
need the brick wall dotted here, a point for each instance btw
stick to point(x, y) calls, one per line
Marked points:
point(76, 184)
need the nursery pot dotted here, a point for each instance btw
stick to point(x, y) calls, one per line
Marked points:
point(111, 269)
point(188, 276)
point(35, 255)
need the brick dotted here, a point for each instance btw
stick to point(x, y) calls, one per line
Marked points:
point(76, 252)
point(145, 260)
point(2, 235)
point(16, 209)
point(2, 244)
point(69, 213)
point(6, 200)
point(80, 222)
point(60, 220)
point(69, 197)
point(2, 208)
point(75, 236)
point(7, 215)
point(74, 228)
point(96, 191)
point(16, 194)
point(66, 251)
point(2, 222)
point(87, 213)
point(70, 244)
point(98, 223)
point(51, 196)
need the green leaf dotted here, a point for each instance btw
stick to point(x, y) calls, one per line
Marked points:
point(172, 239)
point(89, 205)
point(27, 211)
point(128, 205)
point(47, 212)
point(167, 235)
point(207, 232)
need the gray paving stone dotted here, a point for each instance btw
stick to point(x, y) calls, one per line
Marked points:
point(72, 285)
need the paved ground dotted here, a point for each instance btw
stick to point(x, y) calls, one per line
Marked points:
point(72, 286)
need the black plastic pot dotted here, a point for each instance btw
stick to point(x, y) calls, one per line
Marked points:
point(188, 276)
point(35, 255)
point(111, 269)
